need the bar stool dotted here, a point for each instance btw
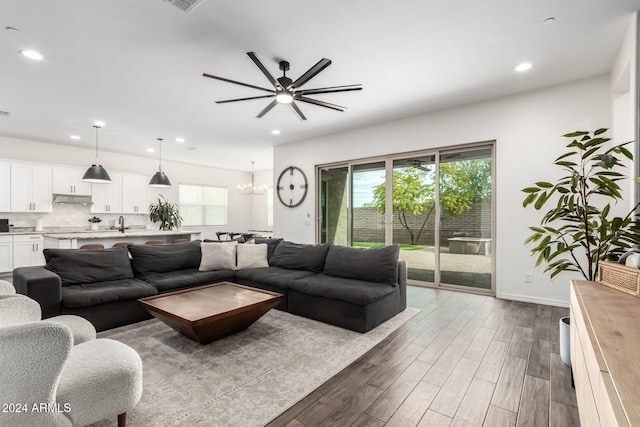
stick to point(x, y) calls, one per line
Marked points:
point(92, 246)
point(221, 233)
point(154, 242)
point(118, 244)
point(180, 241)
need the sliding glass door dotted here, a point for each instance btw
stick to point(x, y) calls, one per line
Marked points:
point(437, 206)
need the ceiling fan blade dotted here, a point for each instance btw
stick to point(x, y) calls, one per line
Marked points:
point(311, 72)
point(237, 83)
point(266, 72)
point(296, 110)
point(321, 103)
point(245, 99)
point(267, 109)
point(329, 89)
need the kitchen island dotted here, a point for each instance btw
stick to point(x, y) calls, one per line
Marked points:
point(136, 236)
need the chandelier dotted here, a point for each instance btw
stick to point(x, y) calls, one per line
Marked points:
point(251, 189)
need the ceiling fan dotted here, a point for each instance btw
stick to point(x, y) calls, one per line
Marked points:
point(287, 91)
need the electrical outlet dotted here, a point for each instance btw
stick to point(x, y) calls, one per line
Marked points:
point(528, 277)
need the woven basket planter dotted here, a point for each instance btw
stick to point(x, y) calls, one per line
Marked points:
point(622, 278)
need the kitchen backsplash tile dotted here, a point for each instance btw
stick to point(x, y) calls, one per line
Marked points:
point(69, 215)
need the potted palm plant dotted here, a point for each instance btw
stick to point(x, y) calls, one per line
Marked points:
point(166, 213)
point(579, 230)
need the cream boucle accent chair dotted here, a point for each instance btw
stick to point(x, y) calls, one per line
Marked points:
point(16, 309)
point(55, 383)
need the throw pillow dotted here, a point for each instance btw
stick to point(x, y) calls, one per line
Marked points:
point(299, 256)
point(147, 259)
point(372, 265)
point(218, 256)
point(75, 266)
point(252, 256)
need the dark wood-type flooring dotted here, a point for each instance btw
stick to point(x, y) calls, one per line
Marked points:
point(464, 360)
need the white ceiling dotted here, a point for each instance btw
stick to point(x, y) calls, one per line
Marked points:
point(138, 64)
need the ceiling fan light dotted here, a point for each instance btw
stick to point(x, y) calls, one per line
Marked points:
point(284, 98)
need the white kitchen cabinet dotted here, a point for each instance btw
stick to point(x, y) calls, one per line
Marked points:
point(27, 250)
point(5, 187)
point(6, 254)
point(135, 194)
point(68, 180)
point(107, 198)
point(31, 188)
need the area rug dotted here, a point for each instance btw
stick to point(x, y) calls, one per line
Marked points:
point(246, 379)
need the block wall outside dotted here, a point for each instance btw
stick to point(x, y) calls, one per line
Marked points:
point(368, 225)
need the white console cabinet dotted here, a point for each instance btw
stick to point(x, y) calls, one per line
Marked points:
point(605, 355)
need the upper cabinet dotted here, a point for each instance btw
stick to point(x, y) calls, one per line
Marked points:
point(135, 194)
point(5, 186)
point(107, 198)
point(31, 188)
point(68, 180)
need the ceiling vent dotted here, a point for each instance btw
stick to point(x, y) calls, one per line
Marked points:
point(185, 5)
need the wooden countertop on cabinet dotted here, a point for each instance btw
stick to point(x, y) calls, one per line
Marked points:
point(605, 354)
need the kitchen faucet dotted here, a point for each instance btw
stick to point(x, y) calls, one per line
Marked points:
point(121, 224)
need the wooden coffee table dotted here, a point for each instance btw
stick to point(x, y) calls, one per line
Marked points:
point(208, 313)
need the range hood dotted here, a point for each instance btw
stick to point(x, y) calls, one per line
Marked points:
point(72, 199)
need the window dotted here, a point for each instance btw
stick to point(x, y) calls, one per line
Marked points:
point(203, 205)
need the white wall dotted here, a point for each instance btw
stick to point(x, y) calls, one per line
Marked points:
point(240, 214)
point(527, 128)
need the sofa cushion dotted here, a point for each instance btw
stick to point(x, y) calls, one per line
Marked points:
point(75, 266)
point(298, 256)
point(368, 264)
point(173, 280)
point(353, 291)
point(271, 242)
point(161, 258)
point(272, 276)
point(218, 256)
point(252, 256)
point(90, 294)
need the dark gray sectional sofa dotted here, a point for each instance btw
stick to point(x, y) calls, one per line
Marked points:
point(348, 287)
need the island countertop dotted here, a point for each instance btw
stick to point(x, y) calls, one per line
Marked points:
point(106, 234)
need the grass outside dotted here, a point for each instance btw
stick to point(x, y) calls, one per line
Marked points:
point(377, 245)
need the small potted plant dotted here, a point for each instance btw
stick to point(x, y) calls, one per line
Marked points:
point(94, 223)
point(166, 213)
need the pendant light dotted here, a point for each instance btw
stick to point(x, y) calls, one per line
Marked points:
point(159, 179)
point(96, 174)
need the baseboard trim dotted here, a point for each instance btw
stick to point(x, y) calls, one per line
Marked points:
point(535, 300)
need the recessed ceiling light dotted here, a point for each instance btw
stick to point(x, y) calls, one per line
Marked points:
point(99, 123)
point(275, 132)
point(74, 137)
point(150, 150)
point(524, 66)
point(180, 140)
point(32, 54)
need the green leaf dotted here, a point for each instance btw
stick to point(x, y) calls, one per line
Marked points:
point(575, 134)
point(600, 131)
point(543, 184)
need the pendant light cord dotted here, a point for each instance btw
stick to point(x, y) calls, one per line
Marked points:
point(97, 161)
point(160, 152)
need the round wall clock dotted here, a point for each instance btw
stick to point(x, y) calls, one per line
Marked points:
point(292, 186)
